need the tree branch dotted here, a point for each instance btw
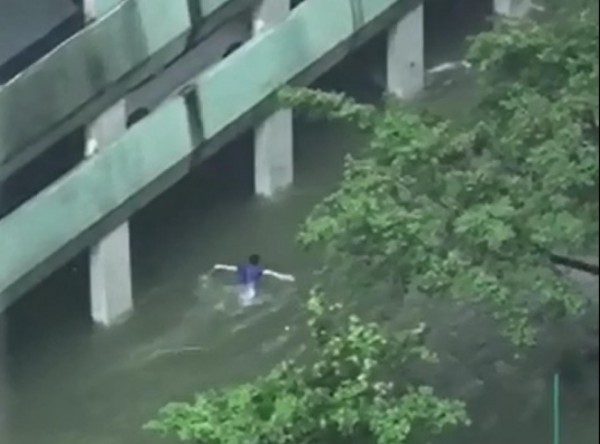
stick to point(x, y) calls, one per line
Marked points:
point(576, 264)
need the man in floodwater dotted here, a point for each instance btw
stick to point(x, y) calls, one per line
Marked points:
point(249, 275)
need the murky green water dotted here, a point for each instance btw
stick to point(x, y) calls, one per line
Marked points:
point(70, 383)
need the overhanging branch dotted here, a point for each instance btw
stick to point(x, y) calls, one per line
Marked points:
point(576, 264)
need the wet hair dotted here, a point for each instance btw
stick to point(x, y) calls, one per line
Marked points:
point(254, 259)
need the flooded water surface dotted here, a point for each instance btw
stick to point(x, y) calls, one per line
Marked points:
point(66, 381)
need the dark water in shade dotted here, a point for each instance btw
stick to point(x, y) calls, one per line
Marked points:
point(67, 382)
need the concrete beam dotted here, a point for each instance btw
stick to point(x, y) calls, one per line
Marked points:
point(273, 138)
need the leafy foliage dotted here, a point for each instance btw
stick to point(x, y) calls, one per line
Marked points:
point(343, 395)
point(474, 212)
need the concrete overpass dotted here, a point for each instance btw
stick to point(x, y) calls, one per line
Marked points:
point(126, 167)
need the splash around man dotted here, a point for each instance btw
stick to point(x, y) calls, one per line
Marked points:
point(249, 275)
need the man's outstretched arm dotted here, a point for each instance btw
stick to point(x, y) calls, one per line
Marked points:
point(280, 276)
point(267, 272)
point(223, 267)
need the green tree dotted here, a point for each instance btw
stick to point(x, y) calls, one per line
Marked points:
point(480, 212)
point(347, 394)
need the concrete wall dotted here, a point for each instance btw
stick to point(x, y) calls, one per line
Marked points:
point(106, 189)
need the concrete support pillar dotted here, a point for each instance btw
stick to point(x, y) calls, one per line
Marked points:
point(110, 265)
point(512, 8)
point(406, 55)
point(273, 140)
point(503, 7)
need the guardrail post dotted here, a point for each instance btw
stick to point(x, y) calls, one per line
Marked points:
point(406, 54)
point(110, 261)
point(273, 139)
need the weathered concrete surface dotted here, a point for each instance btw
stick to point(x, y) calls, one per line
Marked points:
point(155, 91)
point(111, 289)
point(406, 55)
point(96, 67)
point(273, 137)
point(106, 189)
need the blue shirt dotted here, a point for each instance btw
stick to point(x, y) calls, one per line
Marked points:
point(249, 274)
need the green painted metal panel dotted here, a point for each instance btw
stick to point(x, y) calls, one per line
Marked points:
point(83, 67)
point(99, 185)
point(277, 56)
point(163, 21)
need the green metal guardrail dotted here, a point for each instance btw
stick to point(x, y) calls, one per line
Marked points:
point(94, 68)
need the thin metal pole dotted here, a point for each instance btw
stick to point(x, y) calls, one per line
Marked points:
point(556, 410)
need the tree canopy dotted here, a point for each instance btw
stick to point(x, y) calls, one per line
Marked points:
point(479, 211)
point(354, 390)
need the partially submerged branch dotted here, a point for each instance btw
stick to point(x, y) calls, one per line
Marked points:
point(319, 105)
point(575, 264)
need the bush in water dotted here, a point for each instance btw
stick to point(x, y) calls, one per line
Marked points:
point(345, 395)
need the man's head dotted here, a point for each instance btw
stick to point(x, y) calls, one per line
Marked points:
point(254, 259)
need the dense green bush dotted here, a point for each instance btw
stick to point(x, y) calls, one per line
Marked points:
point(350, 393)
